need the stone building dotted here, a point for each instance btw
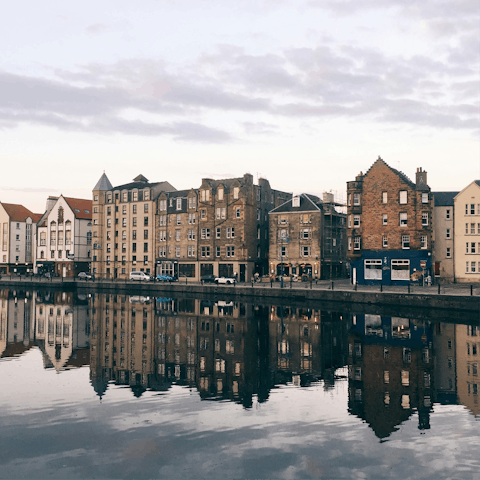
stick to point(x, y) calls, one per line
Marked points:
point(467, 234)
point(307, 238)
point(220, 229)
point(389, 224)
point(64, 237)
point(124, 226)
point(443, 239)
point(17, 228)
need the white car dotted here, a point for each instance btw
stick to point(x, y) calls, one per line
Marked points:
point(84, 275)
point(140, 276)
point(225, 280)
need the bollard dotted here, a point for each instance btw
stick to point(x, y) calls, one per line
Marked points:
point(271, 283)
point(290, 284)
point(381, 287)
point(471, 290)
point(355, 287)
point(439, 289)
point(311, 283)
point(408, 288)
point(333, 285)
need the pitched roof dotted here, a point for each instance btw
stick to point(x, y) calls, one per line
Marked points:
point(141, 185)
point(103, 183)
point(444, 199)
point(19, 213)
point(380, 161)
point(308, 203)
point(81, 208)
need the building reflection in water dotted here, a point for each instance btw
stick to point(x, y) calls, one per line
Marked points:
point(236, 351)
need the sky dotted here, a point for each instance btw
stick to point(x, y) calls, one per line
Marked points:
point(305, 93)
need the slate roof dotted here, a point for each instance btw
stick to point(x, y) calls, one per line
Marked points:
point(103, 184)
point(308, 203)
point(141, 185)
point(19, 213)
point(444, 199)
point(81, 208)
point(226, 182)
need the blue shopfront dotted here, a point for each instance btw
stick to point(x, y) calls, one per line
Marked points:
point(393, 267)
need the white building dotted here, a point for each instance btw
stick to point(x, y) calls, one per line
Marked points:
point(64, 237)
point(467, 234)
point(17, 230)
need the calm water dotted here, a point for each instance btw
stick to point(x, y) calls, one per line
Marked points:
point(107, 386)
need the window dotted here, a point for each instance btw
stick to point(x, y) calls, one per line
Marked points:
point(134, 221)
point(125, 197)
point(191, 218)
point(145, 234)
point(304, 234)
point(217, 251)
point(205, 233)
point(356, 199)
point(384, 219)
point(472, 209)
point(447, 214)
point(472, 247)
point(403, 197)
point(472, 229)
point(220, 194)
point(283, 251)
point(356, 220)
point(384, 241)
point(230, 232)
point(473, 266)
point(177, 235)
point(349, 199)
point(405, 242)
point(295, 201)
point(356, 243)
point(203, 214)
point(305, 251)
point(179, 219)
point(349, 221)
point(146, 195)
point(423, 241)
point(236, 192)
point(145, 221)
point(190, 251)
point(134, 209)
point(230, 251)
point(467, 267)
point(384, 197)
point(192, 202)
point(424, 197)
point(237, 212)
point(403, 219)
point(349, 243)
point(400, 270)
point(145, 247)
point(373, 269)
point(424, 218)
point(205, 195)
point(448, 233)
point(448, 253)
point(179, 204)
point(205, 251)
point(467, 250)
point(163, 205)
point(177, 251)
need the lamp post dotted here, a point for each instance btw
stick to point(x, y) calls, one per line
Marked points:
point(282, 237)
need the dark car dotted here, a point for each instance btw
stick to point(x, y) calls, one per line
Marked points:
point(208, 278)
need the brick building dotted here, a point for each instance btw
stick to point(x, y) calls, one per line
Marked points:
point(307, 238)
point(389, 225)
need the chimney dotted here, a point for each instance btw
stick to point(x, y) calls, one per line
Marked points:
point(421, 177)
point(51, 202)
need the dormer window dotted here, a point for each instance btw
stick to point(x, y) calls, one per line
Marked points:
point(205, 195)
point(146, 195)
point(179, 203)
point(135, 196)
point(236, 192)
point(296, 202)
point(220, 193)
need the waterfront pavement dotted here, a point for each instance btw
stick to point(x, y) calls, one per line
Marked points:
point(460, 289)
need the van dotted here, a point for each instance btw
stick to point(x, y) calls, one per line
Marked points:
point(140, 276)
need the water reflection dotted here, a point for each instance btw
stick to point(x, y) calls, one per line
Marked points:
point(239, 352)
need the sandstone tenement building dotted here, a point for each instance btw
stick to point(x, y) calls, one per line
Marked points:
point(389, 224)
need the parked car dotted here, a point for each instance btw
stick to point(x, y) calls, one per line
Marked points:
point(225, 280)
point(208, 278)
point(84, 275)
point(166, 278)
point(140, 276)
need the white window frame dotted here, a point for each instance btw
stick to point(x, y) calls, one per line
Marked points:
point(405, 242)
point(403, 197)
point(373, 269)
point(401, 273)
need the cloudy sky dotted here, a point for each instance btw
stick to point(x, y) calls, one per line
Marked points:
point(306, 93)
